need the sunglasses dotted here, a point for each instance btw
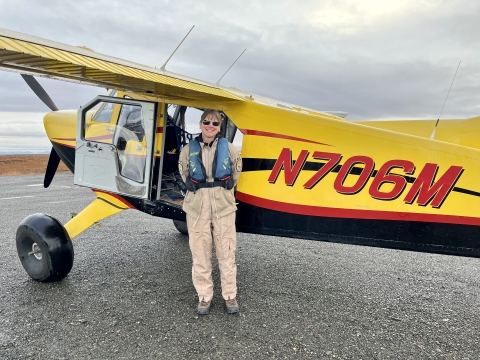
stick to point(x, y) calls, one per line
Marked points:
point(207, 122)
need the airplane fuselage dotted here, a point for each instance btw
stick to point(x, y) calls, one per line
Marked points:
point(327, 179)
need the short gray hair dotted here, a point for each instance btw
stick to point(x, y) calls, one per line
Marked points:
point(212, 112)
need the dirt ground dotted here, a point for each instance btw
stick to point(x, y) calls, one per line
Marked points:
point(26, 164)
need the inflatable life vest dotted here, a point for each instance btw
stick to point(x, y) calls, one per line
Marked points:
point(221, 166)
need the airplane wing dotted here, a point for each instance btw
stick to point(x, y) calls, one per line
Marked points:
point(464, 132)
point(33, 55)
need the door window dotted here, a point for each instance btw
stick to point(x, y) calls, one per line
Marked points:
point(121, 125)
point(101, 126)
point(131, 143)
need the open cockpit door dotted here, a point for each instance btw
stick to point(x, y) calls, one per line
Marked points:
point(115, 147)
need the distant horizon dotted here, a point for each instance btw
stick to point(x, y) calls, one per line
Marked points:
point(47, 152)
point(24, 152)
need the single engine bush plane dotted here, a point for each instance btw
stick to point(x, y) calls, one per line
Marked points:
point(306, 174)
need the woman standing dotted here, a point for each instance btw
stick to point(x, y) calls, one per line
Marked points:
point(210, 167)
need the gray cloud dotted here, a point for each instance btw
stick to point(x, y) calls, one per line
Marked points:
point(373, 59)
point(22, 132)
point(17, 96)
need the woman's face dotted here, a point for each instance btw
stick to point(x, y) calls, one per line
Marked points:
point(210, 127)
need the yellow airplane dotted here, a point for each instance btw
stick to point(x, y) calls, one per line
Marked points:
point(306, 174)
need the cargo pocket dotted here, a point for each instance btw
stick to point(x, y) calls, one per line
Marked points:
point(200, 242)
point(225, 237)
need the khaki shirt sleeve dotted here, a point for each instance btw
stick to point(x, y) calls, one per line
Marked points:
point(236, 162)
point(183, 164)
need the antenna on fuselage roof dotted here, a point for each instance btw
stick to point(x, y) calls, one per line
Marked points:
point(218, 82)
point(174, 51)
point(438, 120)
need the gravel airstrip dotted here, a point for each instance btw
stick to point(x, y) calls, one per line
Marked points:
point(129, 294)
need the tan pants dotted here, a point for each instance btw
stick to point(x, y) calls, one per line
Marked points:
point(203, 233)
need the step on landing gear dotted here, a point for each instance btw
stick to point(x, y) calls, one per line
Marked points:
point(44, 248)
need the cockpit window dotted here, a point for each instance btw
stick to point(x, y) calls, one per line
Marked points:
point(104, 113)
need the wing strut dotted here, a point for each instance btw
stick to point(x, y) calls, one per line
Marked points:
point(438, 120)
point(218, 82)
point(174, 51)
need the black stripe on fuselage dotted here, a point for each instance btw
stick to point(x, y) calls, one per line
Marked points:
point(253, 164)
point(406, 235)
point(453, 239)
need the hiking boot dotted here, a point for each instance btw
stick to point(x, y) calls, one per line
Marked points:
point(232, 306)
point(203, 307)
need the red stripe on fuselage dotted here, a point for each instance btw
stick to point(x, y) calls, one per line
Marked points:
point(102, 137)
point(353, 214)
point(65, 139)
point(93, 138)
point(66, 145)
point(279, 136)
point(116, 196)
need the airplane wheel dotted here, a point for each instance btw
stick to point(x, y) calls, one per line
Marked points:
point(44, 248)
point(181, 226)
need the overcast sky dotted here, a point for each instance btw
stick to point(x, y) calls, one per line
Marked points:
point(385, 59)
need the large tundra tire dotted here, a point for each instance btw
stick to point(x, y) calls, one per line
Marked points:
point(44, 248)
point(181, 226)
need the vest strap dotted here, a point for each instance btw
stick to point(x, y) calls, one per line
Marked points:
point(210, 184)
point(226, 182)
